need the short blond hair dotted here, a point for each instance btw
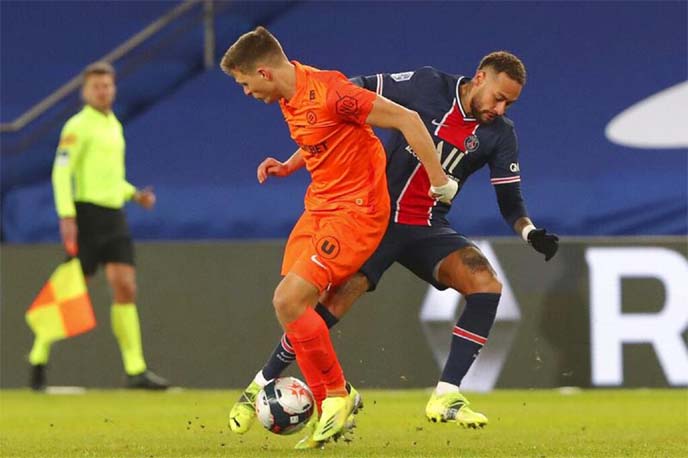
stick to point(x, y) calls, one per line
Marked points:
point(98, 68)
point(504, 61)
point(250, 49)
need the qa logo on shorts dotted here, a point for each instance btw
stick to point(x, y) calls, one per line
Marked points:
point(439, 313)
point(327, 247)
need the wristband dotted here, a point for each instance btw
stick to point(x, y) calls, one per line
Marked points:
point(525, 231)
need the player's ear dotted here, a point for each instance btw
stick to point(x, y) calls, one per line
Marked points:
point(479, 77)
point(265, 73)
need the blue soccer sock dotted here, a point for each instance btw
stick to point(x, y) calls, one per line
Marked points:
point(469, 336)
point(284, 355)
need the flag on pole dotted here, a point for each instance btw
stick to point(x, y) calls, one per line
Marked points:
point(63, 307)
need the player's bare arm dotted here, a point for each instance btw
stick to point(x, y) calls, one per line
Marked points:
point(271, 166)
point(387, 114)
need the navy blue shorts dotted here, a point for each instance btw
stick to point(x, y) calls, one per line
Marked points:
point(418, 248)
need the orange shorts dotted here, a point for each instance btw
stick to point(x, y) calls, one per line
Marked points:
point(326, 248)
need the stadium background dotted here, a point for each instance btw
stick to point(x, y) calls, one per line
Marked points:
point(206, 274)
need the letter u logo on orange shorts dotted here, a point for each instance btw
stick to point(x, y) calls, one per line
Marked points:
point(327, 247)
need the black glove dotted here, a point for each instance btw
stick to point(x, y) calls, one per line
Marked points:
point(545, 243)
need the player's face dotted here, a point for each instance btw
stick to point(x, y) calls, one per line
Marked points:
point(258, 84)
point(99, 91)
point(494, 93)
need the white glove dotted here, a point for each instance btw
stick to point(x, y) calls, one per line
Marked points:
point(446, 192)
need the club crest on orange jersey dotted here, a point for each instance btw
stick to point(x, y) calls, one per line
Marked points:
point(311, 117)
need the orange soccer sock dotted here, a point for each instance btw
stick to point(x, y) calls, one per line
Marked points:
point(314, 381)
point(315, 354)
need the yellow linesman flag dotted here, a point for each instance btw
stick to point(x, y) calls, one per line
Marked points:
point(63, 307)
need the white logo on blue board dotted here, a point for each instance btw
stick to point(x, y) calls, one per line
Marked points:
point(655, 122)
point(404, 76)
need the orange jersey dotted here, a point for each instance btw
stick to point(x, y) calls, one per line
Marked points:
point(327, 119)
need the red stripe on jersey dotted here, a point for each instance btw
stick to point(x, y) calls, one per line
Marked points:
point(460, 332)
point(454, 128)
point(414, 205)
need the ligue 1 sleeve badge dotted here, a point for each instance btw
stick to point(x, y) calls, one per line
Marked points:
point(471, 143)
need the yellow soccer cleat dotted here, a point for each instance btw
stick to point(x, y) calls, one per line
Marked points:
point(334, 418)
point(350, 424)
point(244, 410)
point(355, 397)
point(453, 407)
point(308, 442)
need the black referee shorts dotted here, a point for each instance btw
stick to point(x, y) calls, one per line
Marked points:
point(418, 248)
point(103, 237)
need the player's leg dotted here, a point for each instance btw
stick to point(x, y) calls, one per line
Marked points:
point(120, 273)
point(339, 300)
point(331, 307)
point(342, 243)
point(336, 302)
point(38, 359)
point(243, 412)
point(294, 300)
point(444, 259)
point(306, 275)
point(469, 272)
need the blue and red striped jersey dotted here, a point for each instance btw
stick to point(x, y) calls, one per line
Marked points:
point(464, 146)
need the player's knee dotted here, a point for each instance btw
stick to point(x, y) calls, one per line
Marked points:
point(475, 274)
point(482, 282)
point(488, 283)
point(279, 303)
point(125, 290)
point(286, 308)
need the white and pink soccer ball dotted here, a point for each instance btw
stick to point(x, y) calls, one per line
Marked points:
point(285, 405)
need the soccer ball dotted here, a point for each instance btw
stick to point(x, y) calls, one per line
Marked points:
point(284, 405)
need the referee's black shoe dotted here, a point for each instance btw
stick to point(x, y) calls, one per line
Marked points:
point(147, 380)
point(37, 377)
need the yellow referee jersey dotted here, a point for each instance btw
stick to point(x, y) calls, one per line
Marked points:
point(89, 164)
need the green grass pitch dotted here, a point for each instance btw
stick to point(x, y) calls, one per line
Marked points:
point(540, 424)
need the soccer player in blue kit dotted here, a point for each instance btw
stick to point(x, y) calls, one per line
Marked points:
point(465, 117)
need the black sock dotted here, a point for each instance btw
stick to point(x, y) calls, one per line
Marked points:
point(469, 336)
point(284, 355)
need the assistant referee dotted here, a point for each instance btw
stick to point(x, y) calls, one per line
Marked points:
point(90, 190)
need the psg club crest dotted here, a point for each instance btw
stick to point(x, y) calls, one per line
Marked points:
point(471, 143)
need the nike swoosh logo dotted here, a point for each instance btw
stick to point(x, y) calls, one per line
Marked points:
point(315, 259)
point(655, 122)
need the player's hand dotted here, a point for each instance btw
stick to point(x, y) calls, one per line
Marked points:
point(145, 198)
point(446, 192)
point(271, 166)
point(544, 242)
point(68, 233)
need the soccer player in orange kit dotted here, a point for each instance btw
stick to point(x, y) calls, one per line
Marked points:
point(347, 205)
